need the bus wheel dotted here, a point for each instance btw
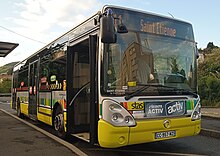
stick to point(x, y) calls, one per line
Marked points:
point(59, 123)
point(19, 114)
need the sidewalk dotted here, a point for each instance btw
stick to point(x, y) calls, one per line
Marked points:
point(211, 112)
point(211, 122)
point(17, 138)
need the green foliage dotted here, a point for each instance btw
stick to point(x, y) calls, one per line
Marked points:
point(209, 48)
point(209, 76)
point(7, 69)
point(174, 65)
point(5, 83)
point(5, 86)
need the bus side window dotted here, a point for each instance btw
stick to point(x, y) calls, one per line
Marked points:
point(23, 78)
point(44, 75)
point(57, 73)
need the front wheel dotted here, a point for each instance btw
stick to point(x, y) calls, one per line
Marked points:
point(59, 123)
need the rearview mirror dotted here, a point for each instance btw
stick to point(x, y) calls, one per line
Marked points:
point(121, 28)
point(197, 52)
point(107, 29)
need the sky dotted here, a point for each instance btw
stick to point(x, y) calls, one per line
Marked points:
point(35, 23)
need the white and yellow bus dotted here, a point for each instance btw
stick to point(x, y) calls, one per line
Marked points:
point(121, 77)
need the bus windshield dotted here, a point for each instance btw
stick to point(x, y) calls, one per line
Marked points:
point(146, 56)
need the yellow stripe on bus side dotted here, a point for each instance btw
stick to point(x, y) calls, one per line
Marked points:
point(24, 108)
point(45, 115)
point(44, 110)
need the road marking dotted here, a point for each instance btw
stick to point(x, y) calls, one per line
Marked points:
point(148, 152)
point(73, 148)
point(4, 103)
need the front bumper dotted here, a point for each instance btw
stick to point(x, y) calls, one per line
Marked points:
point(112, 137)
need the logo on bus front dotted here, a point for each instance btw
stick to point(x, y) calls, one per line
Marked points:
point(164, 108)
point(133, 106)
point(175, 108)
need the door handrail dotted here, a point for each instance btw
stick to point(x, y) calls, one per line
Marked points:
point(79, 91)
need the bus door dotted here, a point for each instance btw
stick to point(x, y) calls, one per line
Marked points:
point(32, 77)
point(80, 107)
point(14, 86)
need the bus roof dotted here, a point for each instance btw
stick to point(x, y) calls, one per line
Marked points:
point(78, 26)
point(56, 40)
point(145, 12)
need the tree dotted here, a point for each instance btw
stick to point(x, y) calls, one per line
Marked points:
point(209, 77)
point(174, 66)
point(209, 48)
point(5, 86)
point(211, 45)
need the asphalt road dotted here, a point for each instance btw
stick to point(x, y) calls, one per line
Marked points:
point(196, 145)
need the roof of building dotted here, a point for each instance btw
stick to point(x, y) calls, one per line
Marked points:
point(6, 48)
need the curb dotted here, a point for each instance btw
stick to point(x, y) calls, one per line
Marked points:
point(211, 117)
point(210, 133)
point(71, 147)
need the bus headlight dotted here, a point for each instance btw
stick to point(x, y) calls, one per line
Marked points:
point(115, 108)
point(117, 118)
point(196, 114)
point(116, 114)
point(129, 120)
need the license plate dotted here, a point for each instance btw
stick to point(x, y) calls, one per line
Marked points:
point(167, 134)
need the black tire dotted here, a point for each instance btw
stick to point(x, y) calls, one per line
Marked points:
point(58, 123)
point(19, 114)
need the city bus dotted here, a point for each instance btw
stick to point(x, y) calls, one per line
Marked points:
point(121, 77)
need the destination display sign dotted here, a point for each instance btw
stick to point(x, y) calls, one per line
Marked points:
point(153, 24)
point(157, 28)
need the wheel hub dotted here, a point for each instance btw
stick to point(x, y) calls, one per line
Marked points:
point(58, 122)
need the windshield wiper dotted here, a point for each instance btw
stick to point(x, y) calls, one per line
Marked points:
point(184, 91)
point(146, 86)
